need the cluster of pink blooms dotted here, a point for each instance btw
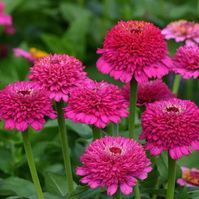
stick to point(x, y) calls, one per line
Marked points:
point(6, 20)
point(131, 50)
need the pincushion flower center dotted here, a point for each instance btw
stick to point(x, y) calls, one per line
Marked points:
point(24, 92)
point(115, 150)
point(173, 109)
point(135, 28)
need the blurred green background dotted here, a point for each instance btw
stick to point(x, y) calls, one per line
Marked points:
point(76, 27)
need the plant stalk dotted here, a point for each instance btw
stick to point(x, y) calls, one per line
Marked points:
point(65, 146)
point(96, 132)
point(171, 177)
point(31, 164)
point(176, 84)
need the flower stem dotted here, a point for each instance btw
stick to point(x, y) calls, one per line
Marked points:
point(171, 177)
point(137, 192)
point(65, 146)
point(189, 88)
point(118, 195)
point(31, 164)
point(176, 84)
point(132, 109)
point(96, 132)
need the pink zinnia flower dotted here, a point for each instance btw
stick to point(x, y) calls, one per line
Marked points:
point(149, 92)
point(23, 104)
point(190, 177)
point(58, 74)
point(134, 49)
point(182, 31)
point(4, 19)
point(114, 161)
point(18, 52)
point(186, 62)
point(97, 104)
point(171, 125)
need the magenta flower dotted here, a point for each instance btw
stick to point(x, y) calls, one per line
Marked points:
point(58, 74)
point(171, 125)
point(186, 62)
point(18, 52)
point(190, 177)
point(23, 104)
point(149, 92)
point(97, 104)
point(114, 161)
point(182, 31)
point(134, 49)
point(4, 19)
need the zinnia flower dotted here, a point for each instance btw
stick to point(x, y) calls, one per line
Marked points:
point(134, 49)
point(114, 161)
point(190, 177)
point(97, 104)
point(149, 92)
point(58, 74)
point(186, 61)
point(23, 104)
point(171, 125)
point(4, 19)
point(182, 31)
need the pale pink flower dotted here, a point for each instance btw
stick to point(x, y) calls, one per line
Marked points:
point(58, 74)
point(134, 49)
point(171, 125)
point(23, 104)
point(114, 162)
point(182, 31)
point(186, 62)
point(190, 177)
point(18, 52)
point(96, 103)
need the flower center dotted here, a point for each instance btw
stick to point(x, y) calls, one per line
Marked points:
point(172, 109)
point(24, 92)
point(191, 177)
point(115, 150)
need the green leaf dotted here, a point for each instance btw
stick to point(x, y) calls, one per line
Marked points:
point(56, 184)
point(16, 186)
point(48, 196)
point(162, 166)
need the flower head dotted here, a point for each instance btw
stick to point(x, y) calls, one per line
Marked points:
point(96, 103)
point(23, 104)
point(182, 31)
point(134, 49)
point(186, 61)
point(58, 74)
point(190, 177)
point(171, 125)
point(4, 19)
point(149, 92)
point(114, 161)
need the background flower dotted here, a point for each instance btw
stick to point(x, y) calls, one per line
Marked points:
point(149, 92)
point(171, 125)
point(182, 31)
point(23, 104)
point(114, 161)
point(96, 103)
point(190, 177)
point(186, 62)
point(134, 49)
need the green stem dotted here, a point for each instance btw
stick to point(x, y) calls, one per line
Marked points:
point(176, 84)
point(171, 177)
point(137, 191)
point(65, 146)
point(189, 88)
point(132, 109)
point(96, 132)
point(31, 164)
point(116, 129)
point(118, 195)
